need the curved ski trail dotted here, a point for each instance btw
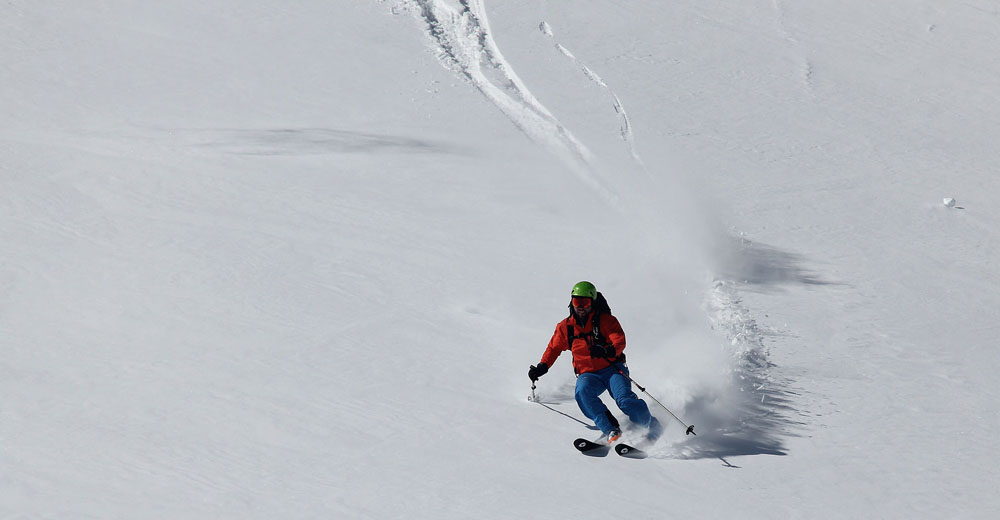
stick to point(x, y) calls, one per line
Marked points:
point(625, 125)
point(461, 31)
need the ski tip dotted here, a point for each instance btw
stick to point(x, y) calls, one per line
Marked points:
point(629, 452)
point(590, 447)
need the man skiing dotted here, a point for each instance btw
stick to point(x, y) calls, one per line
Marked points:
point(597, 342)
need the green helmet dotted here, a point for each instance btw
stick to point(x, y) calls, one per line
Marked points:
point(584, 289)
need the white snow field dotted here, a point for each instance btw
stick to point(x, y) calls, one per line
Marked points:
point(293, 259)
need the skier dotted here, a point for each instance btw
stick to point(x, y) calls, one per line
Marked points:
point(597, 342)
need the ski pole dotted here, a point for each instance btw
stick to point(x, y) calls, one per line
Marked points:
point(532, 397)
point(690, 429)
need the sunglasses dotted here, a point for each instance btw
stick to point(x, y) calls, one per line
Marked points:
point(579, 301)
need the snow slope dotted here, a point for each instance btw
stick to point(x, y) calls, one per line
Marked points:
point(293, 261)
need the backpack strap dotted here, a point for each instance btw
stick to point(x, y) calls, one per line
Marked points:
point(599, 339)
point(595, 338)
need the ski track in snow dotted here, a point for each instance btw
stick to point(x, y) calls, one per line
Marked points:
point(461, 32)
point(625, 126)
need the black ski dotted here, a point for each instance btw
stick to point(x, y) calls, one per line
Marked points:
point(630, 452)
point(590, 447)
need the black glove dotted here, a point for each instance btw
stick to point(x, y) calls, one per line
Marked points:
point(537, 371)
point(598, 351)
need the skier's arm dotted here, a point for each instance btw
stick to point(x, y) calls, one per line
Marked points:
point(557, 345)
point(614, 333)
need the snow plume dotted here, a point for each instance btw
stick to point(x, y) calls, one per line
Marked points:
point(708, 359)
point(694, 343)
point(751, 413)
point(710, 366)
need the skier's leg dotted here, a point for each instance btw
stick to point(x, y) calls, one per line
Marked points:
point(589, 387)
point(621, 391)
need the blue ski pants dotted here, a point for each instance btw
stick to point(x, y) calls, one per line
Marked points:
point(590, 386)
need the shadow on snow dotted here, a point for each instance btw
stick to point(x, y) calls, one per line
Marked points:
point(763, 268)
point(312, 141)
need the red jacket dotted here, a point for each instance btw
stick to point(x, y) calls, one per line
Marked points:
point(583, 336)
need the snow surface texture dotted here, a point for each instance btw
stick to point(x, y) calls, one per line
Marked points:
point(293, 261)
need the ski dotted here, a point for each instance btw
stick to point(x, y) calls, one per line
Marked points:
point(600, 447)
point(629, 452)
point(590, 447)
